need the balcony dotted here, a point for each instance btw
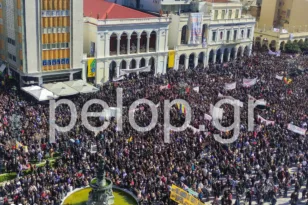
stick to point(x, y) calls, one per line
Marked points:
point(231, 41)
point(243, 19)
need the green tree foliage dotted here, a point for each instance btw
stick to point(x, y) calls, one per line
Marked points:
point(292, 47)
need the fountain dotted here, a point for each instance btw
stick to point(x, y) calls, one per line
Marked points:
point(101, 193)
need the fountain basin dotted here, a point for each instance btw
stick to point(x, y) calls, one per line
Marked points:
point(80, 197)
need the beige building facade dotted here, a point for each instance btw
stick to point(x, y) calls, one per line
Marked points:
point(226, 35)
point(281, 21)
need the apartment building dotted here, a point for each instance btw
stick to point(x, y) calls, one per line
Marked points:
point(41, 40)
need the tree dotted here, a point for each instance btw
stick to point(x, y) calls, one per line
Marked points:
point(292, 47)
point(303, 46)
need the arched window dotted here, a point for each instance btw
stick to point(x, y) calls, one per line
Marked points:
point(184, 35)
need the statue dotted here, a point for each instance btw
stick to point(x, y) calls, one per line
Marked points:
point(101, 170)
point(102, 190)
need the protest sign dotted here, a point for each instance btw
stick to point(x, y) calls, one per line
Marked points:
point(296, 129)
point(230, 86)
point(267, 122)
point(249, 82)
point(182, 197)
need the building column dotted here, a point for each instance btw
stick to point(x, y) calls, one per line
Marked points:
point(128, 64)
point(222, 55)
point(118, 46)
point(250, 50)
point(128, 46)
point(196, 61)
point(118, 70)
point(84, 72)
point(186, 62)
point(205, 63)
point(235, 53)
point(157, 40)
point(148, 44)
point(137, 64)
point(229, 53)
point(214, 57)
point(138, 44)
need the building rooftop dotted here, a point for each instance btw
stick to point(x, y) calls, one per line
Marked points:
point(101, 9)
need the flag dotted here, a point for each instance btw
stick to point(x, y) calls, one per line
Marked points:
point(187, 90)
point(287, 80)
point(25, 149)
point(130, 139)
point(18, 145)
point(196, 89)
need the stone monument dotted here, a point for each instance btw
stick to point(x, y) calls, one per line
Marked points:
point(101, 193)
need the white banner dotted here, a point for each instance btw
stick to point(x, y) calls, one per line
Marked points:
point(267, 122)
point(195, 28)
point(230, 86)
point(216, 112)
point(279, 77)
point(261, 102)
point(296, 129)
point(196, 89)
point(208, 117)
point(224, 96)
point(111, 112)
point(274, 53)
point(249, 82)
point(118, 79)
point(143, 69)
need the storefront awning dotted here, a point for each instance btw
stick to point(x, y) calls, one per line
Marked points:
point(81, 86)
point(39, 93)
point(60, 89)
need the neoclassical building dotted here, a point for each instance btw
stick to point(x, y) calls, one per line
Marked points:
point(230, 34)
point(224, 33)
point(122, 39)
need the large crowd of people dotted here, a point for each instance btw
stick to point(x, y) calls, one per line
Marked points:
point(261, 166)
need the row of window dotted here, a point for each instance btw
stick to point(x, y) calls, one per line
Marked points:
point(55, 46)
point(55, 13)
point(12, 57)
point(242, 36)
point(63, 61)
point(226, 13)
point(56, 30)
point(11, 41)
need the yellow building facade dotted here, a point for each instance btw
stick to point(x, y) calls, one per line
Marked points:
point(281, 21)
